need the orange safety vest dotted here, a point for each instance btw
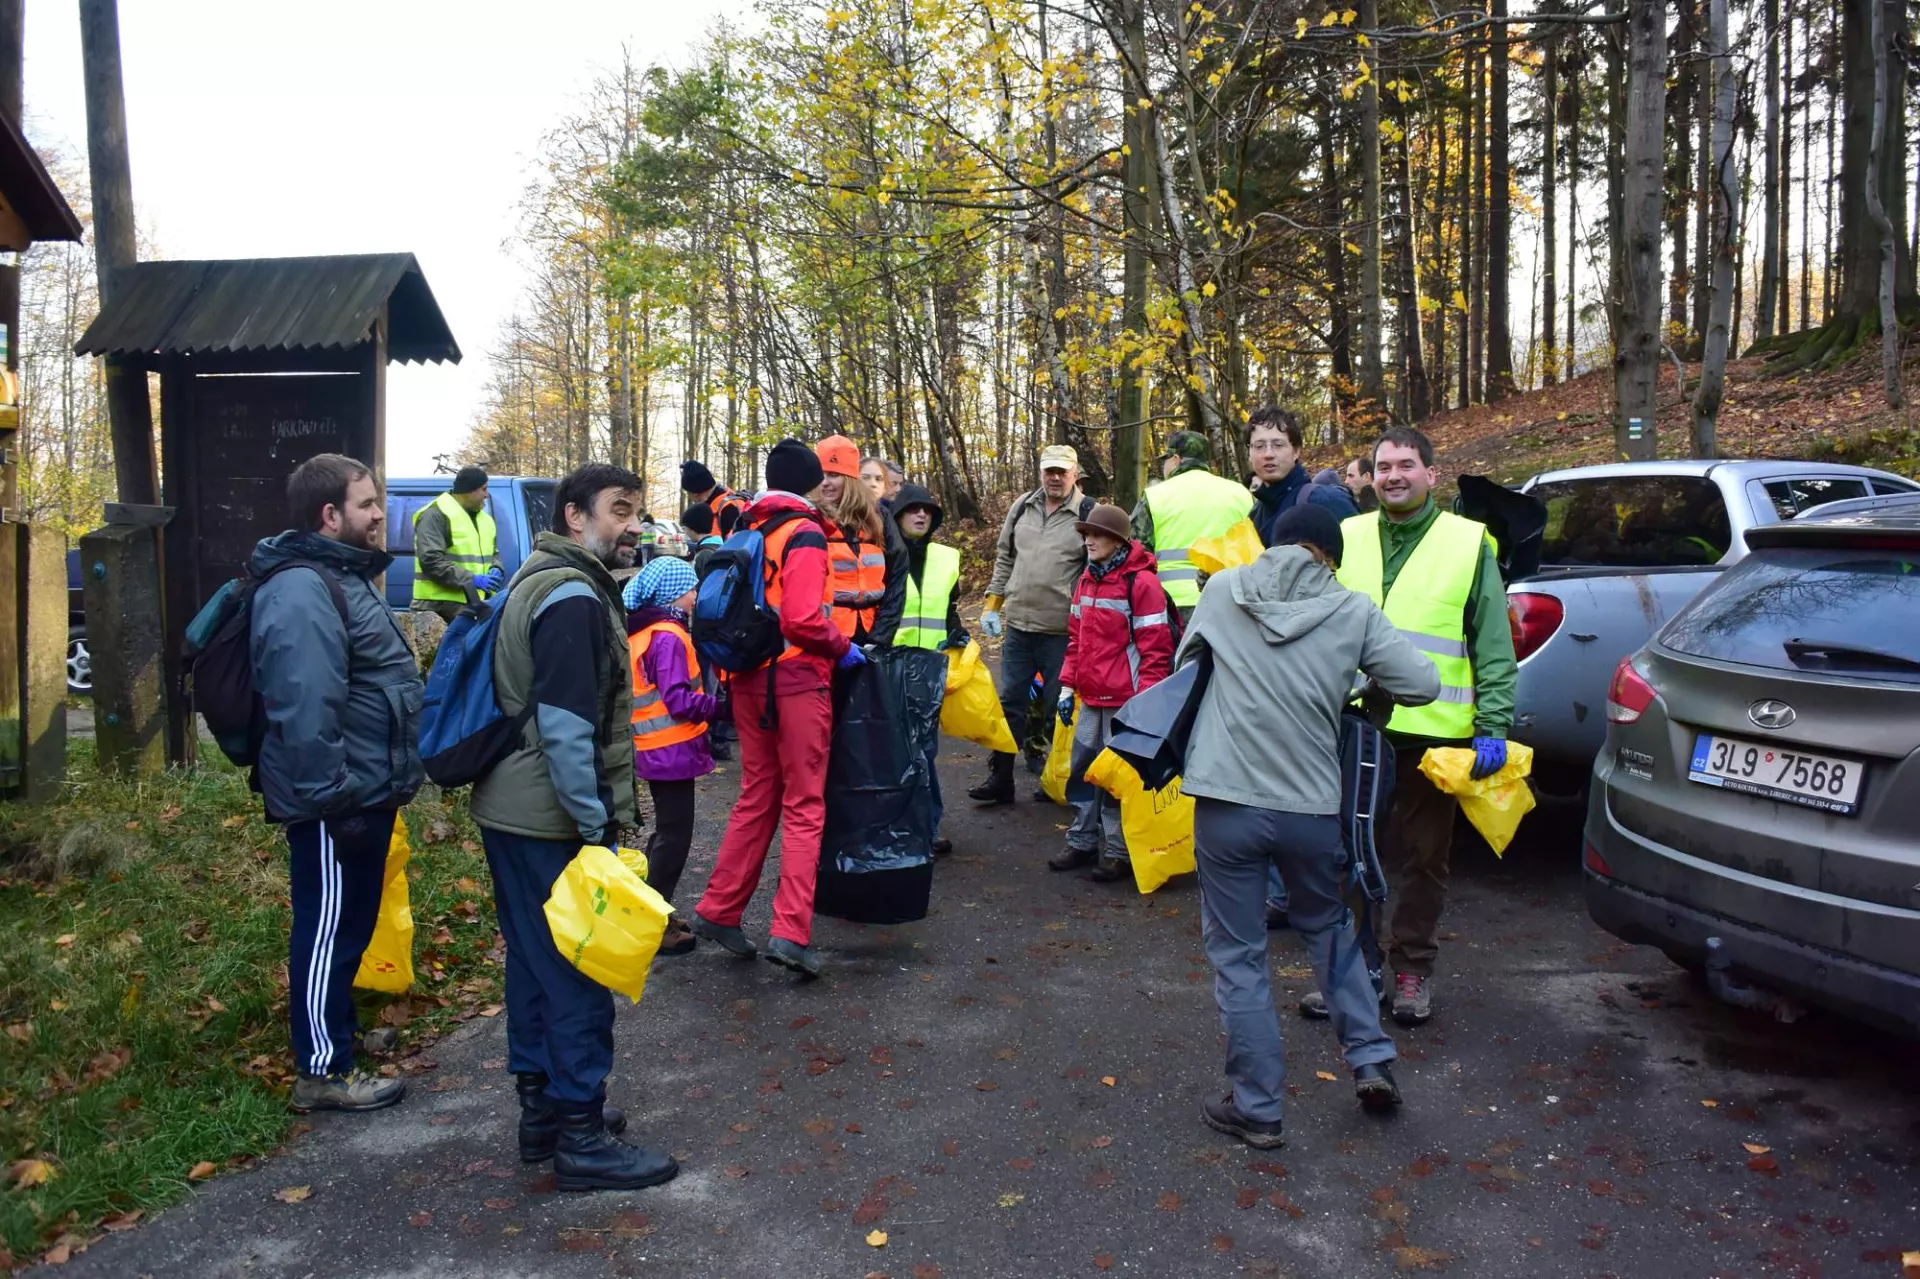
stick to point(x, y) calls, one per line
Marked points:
point(720, 499)
point(776, 557)
point(858, 570)
point(653, 726)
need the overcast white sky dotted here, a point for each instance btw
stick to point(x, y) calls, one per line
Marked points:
point(264, 128)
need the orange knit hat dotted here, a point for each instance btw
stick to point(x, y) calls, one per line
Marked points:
point(839, 456)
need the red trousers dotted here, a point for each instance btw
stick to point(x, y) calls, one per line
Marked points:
point(783, 782)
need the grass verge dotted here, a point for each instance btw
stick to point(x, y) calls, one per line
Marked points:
point(143, 989)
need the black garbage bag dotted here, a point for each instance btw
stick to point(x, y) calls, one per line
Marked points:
point(1150, 732)
point(876, 855)
point(1518, 522)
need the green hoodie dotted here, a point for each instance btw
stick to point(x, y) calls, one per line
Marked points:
point(1286, 639)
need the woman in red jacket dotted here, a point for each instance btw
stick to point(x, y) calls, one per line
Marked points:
point(783, 747)
point(1119, 641)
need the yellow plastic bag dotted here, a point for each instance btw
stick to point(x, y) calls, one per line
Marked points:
point(1494, 804)
point(1238, 545)
point(387, 963)
point(606, 921)
point(1059, 768)
point(1158, 824)
point(972, 709)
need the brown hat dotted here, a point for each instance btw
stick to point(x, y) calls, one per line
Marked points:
point(1106, 518)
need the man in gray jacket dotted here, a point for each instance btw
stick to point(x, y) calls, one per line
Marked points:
point(1263, 767)
point(341, 693)
point(1036, 563)
point(561, 657)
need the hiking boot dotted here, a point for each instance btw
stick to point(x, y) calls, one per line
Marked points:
point(1110, 870)
point(588, 1157)
point(793, 957)
point(1313, 1006)
point(1072, 858)
point(381, 1039)
point(355, 1091)
point(1412, 999)
point(998, 788)
point(726, 936)
point(1223, 1116)
point(942, 846)
point(1373, 1085)
point(1037, 758)
point(678, 939)
point(540, 1120)
point(721, 752)
point(1276, 917)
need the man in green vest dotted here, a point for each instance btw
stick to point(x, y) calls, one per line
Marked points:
point(932, 616)
point(1189, 504)
point(456, 553)
point(1435, 575)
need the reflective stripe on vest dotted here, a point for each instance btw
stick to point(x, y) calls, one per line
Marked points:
point(470, 544)
point(1428, 606)
point(652, 726)
point(1190, 506)
point(925, 623)
point(1124, 607)
point(858, 574)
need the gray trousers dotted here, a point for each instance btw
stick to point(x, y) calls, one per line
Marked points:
point(1234, 844)
point(1096, 816)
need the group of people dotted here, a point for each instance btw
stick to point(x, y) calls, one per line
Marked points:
point(1093, 603)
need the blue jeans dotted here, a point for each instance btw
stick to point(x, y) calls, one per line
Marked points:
point(1276, 889)
point(1021, 654)
point(1235, 845)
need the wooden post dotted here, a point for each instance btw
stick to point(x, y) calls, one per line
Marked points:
point(43, 667)
point(113, 241)
point(13, 632)
point(120, 571)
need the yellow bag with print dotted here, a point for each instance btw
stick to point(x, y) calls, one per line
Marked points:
point(606, 920)
point(972, 711)
point(1494, 804)
point(1059, 768)
point(387, 963)
point(1158, 824)
point(1238, 545)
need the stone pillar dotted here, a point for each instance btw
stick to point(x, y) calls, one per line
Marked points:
point(43, 662)
point(120, 569)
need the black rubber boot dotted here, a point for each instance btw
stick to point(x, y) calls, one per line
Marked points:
point(998, 788)
point(540, 1123)
point(588, 1157)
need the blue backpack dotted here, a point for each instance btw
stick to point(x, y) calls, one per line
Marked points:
point(463, 730)
point(734, 628)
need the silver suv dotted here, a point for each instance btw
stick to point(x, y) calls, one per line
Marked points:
point(1756, 809)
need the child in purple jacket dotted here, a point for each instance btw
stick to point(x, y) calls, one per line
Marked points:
point(670, 718)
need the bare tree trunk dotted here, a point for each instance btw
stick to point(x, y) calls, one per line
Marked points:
point(1436, 226)
point(1500, 220)
point(1419, 394)
point(1573, 219)
point(1372, 377)
point(1129, 462)
point(1703, 190)
point(1726, 218)
point(1637, 288)
point(1339, 317)
point(1549, 118)
point(1770, 237)
point(1784, 247)
point(1877, 210)
point(1477, 269)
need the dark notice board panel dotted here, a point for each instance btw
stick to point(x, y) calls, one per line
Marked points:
point(247, 435)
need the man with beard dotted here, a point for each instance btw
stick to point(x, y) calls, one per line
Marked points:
point(340, 697)
point(561, 658)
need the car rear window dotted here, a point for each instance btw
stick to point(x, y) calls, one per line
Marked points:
point(539, 505)
point(1801, 609)
point(1634, 521)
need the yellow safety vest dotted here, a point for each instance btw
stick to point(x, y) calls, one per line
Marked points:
point(470, 544)
point(1192, 505)
point(1428, 606)
point(925, 622)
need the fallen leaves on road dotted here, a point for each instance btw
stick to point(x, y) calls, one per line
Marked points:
point(1169, 1201)
point(1411, 1258)
point(420, 1220)
point(1327, 1075)
point(201, 1171)
point(1709, 1102)
point(1010, 1199)
point(120, 1221)
point(1755, 1148)
point(877, 1239)
point(1101, 1143)
point(293, 1194)
point(1108, 1080)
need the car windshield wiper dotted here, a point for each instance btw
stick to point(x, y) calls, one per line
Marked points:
point(1833, 650)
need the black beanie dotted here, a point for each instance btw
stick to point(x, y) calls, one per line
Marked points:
point(793, 467)
point(469, 479)
point(695, 477)
point(1311, 524)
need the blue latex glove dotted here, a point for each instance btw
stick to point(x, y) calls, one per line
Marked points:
point(990, 623)
point(491, 580)
point(854, 656)
point(1066, 707)
point(1489, 756)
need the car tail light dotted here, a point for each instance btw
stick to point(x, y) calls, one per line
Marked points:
point(1534, 619)
point(1596, 863)
point(1629, 696)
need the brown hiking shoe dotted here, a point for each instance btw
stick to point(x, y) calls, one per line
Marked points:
point(355, 1091)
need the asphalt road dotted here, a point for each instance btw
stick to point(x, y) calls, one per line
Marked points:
point(1012, 1088)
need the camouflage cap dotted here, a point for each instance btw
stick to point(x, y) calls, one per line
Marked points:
point(1188, 444)
point(1059, 457)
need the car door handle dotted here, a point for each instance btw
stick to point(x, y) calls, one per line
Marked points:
point(1583, 637)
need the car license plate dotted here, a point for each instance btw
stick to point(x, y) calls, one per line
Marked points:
point(1775, 772)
